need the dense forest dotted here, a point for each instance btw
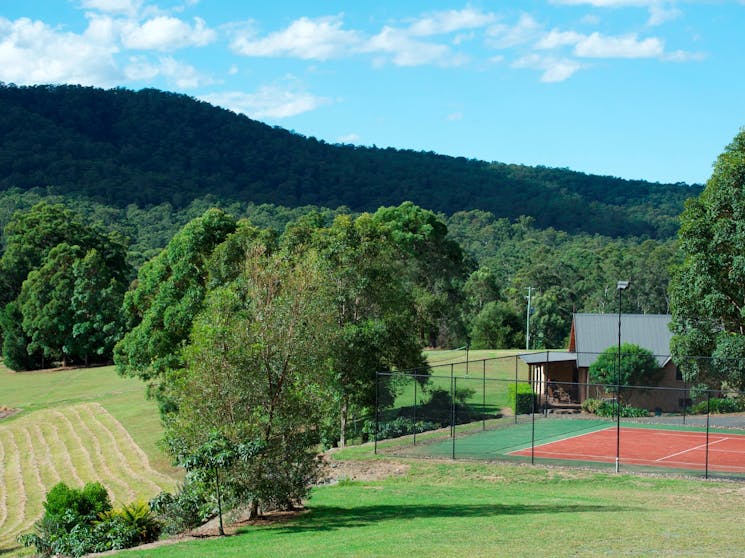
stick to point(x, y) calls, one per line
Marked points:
point(120, 147)
point(93, 179)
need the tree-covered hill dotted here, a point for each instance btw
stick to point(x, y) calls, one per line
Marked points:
point(122, 147)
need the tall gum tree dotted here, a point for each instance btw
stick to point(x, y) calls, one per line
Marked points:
point(707, 292)
point(167, 295)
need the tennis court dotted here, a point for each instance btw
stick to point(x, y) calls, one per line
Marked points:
point(593, 441)
point(649, 447)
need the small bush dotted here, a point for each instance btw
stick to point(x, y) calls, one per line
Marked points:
point(81, 521)
point(591, 405)
point(130, 525)
point(189, 507)
point(400, 426)
point(607, 409)
point(78, 505)
point(521, 398)
point(719, 405)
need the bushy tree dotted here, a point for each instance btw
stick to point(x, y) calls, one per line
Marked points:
point(708, 290)
point(497, 326)
point(168, 294)
point(65, 280)
point(639, 367)
point(256, 372)
point(376, 311)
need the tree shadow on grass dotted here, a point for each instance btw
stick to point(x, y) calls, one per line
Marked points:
point(328, 518)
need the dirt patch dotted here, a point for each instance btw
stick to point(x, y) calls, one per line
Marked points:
point(336, 471)
point(6, 412)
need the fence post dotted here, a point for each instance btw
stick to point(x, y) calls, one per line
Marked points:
point(414, 419)
point(708, 414)
point(452, 401)
point(532, 433)
point(455, 384)
point(516, 397)
point(483, 397)
point(377, 411)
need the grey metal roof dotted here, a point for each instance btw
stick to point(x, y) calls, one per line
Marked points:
point(593, 333)
point(547, 356)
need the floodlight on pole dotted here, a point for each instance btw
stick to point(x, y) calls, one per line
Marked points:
point(620, 287)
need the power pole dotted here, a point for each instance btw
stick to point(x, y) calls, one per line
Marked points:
point(527, 328)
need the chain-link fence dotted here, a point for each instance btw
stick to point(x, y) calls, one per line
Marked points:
point(544, 408)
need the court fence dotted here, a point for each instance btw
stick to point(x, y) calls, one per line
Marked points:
point(545, 410)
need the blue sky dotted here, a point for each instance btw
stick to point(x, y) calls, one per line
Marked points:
point(650, 89)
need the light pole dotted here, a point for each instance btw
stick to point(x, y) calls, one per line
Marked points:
point(620, 287)
point(527, 321)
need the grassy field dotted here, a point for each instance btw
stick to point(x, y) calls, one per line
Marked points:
point(498, 367)
point(75, 426)
point(85, 424)
point(445, 509)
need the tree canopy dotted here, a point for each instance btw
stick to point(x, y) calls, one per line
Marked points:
point(638, 367)
point(64, 282)
point(708, 289)
point(151, 147)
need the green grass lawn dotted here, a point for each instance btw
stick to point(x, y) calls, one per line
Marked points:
point(123, 397)
point(445, 509)
point(486, 377)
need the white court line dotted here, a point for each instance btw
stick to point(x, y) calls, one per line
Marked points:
point(689, 449)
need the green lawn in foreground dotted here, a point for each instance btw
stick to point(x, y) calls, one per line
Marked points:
point(446, 509)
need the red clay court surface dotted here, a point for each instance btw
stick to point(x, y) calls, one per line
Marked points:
point(650, 447)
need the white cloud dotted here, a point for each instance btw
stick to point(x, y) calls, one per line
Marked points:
point(269, 101)
point(554, 69)
point(450, 21)
point(660, 11)
point(184, 76)
point(349, 138)
point(609, 3)
point(33, 52)
point(316, 39)
point(406, 51)
point(556, 39)
point(102, 29)
point(659, 14)
point(626, 46)
point(325, 38)
point(526, 30)
point(126, 7)
point(683, 56)
point(166, 33)
point(454, 116)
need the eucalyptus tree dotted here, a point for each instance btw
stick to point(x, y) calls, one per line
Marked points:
point(167, 295)
point(707, 292)
point(256, 371)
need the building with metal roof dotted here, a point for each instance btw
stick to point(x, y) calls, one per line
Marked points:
point(561, 378)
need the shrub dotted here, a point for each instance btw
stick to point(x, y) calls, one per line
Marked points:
point(607, 409)
point(81, 521)
point(129, 526)
point(77, 505)
point(591, 405)
point(521, 398)
point(719, 405)
point(400, 426)
point(189, 507)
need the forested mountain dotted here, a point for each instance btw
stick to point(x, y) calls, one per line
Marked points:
point(121, 147)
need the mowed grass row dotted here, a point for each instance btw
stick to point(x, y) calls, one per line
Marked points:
point(74, 444)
